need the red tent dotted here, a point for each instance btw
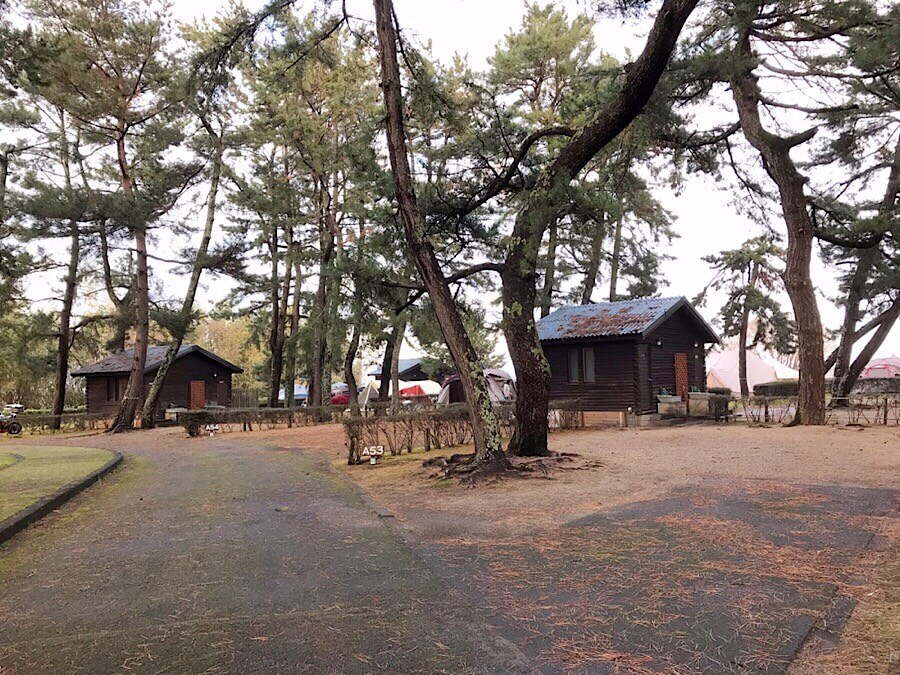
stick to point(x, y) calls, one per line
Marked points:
point(413, 391)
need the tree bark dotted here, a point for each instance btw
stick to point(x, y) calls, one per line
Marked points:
point(590, 277)
point(64, 340)
point(4, 176)
point(775, 152)
point(489, 454)
point(387, 361)
point(550, 269)
point(290, 369)
point(183, 322)
point(134, 390)
point(395, 368)
point(616, 256)
point(543, 205)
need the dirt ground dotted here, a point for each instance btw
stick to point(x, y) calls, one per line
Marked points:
point(688, 549)
point(737, 546)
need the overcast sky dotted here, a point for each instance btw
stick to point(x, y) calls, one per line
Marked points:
point(706, 221)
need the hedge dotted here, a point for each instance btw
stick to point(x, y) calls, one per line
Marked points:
point(439, 427)
point(196, 421)
point(778, 388)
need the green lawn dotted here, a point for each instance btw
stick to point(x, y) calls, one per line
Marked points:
point(42, 471)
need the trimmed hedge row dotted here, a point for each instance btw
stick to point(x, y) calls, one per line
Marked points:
point(197, 421)
point(439, 427)
point(778, 388)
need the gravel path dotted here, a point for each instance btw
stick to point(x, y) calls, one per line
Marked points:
point(218, 555)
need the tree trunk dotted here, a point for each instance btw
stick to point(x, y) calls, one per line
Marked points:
point(590, 277)
point(349, 360)
point(387, 361)
point(395, 368)
point(543, 205)
point(134, 390)
point(775, 152)
point(550, 269)
point(290, 370)
point(742, 352)
point(183, 322)
point(320, 318)
point(64, 340)
point(856, 292)
point(614, 263)
point(4, 176)
point(275, 304)
point(848, 380)
point(489, 454)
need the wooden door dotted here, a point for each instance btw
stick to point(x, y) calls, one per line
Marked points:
point(681, 375)
point(198, 394)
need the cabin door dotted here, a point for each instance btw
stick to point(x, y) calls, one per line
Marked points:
point(198, 394)
point(681, 376)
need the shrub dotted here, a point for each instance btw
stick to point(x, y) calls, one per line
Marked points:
point(718, 405)
point(724, 391)
point(778, 388)
point(438, 427)
point(194, 421)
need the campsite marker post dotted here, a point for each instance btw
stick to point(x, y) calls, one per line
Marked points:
point(373, 452)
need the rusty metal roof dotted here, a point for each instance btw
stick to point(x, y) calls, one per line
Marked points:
point(625, 317)
point(121, 362)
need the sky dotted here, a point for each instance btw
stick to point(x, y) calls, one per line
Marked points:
point(706, 219)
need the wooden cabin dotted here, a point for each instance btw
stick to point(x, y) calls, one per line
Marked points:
point(618, 356)
point(197, 378)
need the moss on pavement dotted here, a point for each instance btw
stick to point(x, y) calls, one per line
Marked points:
point(42, 471)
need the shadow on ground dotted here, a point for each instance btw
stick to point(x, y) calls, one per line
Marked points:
point(701, 581)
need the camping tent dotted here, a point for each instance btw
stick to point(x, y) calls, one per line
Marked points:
point(722, 369)
point(886, 367)
point(501, 388)
point(300, 393)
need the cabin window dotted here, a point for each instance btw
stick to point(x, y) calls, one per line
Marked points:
point(588, 363)
point(574, 366)
point(581, 365)
point(111, 388)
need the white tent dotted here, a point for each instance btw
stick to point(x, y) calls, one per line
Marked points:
point(722, 369)
point(501, 388)
point(368, 395)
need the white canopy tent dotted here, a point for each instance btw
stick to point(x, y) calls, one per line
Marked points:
point(722, 369)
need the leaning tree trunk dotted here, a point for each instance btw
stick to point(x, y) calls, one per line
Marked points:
point(844, 377)
point(135, 388)
point(183, 322)
point(489, 454)
point(859, 363)
point(775, 152)
point(543, 205)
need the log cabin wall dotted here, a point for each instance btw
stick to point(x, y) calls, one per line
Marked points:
point(678, 334)
point(615, 369)
point(104, 392)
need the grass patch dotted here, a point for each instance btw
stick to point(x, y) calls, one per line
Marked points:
point(43, 471)
point(6, 460)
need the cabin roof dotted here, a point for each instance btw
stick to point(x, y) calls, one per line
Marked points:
point(121, 362)
point(637, 318)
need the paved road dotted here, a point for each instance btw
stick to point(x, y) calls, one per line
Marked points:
point(224, 557)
